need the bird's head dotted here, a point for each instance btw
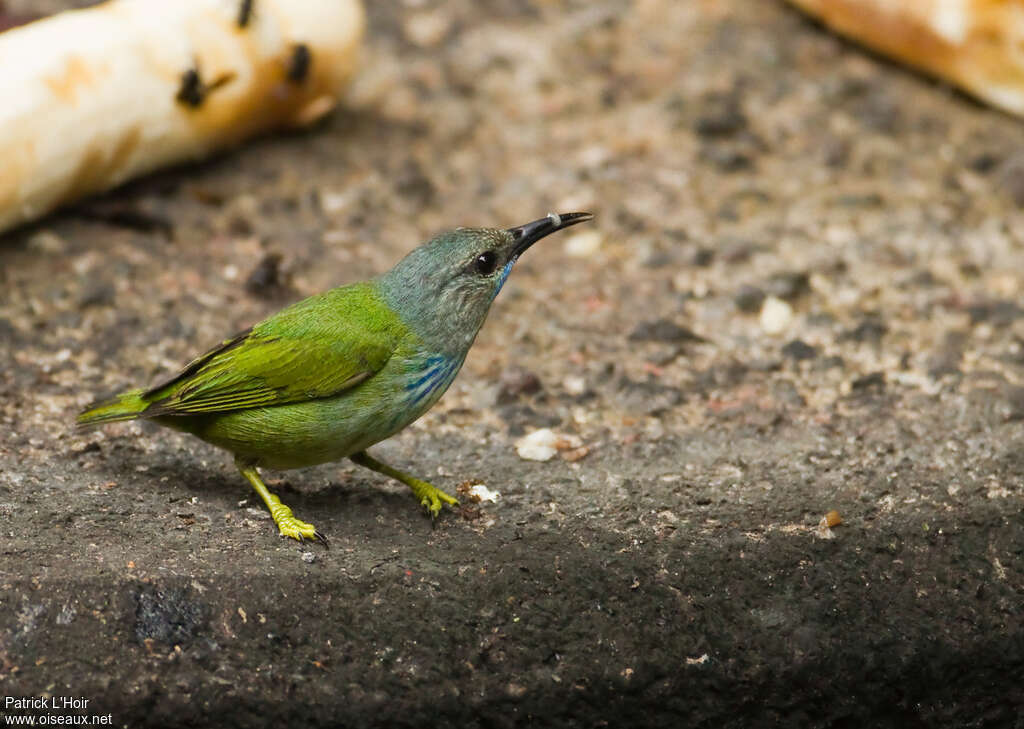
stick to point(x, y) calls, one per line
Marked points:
point(445, 287)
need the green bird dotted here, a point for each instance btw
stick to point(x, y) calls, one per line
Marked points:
point(331, 375)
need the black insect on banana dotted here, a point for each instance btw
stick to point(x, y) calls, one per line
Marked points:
point(192, 90)
point(299, 63)
point(245, 9)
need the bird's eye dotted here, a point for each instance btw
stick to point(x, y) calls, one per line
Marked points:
point(485, 263)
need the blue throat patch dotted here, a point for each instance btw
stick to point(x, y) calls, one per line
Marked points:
point(438, 372)
point(504, 277)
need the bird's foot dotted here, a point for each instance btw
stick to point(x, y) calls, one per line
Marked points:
point(430, 496)
point(286, 522)
point(289, 526)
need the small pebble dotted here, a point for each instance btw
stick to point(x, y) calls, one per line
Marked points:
point(647, 398)
point(870, 330)
point(799, 350)
point(722, 117)
point(266, 277)
point(984, 162)
point(427, 29)
point(308, 557)
point(873, 381)
point(583, 244)
point(574, 385)
point(749, 299)
point(786, 394)
point(727, 159)
point(736, 250)
point(703, 257)
point(1000, 312)
point(538, 445)
point(96, 293)
point(776, 315)
point(663, 330)
point(543, 444)
point(946, 359)
point(788, 285)
point(516, 383)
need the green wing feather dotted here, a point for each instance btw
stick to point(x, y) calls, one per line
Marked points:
point(316, 348)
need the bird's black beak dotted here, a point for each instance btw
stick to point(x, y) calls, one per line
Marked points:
point(525, 236)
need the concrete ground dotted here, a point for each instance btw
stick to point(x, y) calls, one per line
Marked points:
point(802, 294)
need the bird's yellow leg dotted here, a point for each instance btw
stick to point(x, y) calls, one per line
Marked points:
point(428, 495)
point(281, 514)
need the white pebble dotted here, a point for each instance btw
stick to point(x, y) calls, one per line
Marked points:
point(427, 29)
point(583, 244)
point(574, 385)
point(776, 315)
point(540, 445)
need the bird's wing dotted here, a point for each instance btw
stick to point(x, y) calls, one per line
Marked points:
point(313, 349)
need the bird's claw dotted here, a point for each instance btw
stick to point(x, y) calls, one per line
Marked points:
point(294, 528)
point(434, 499)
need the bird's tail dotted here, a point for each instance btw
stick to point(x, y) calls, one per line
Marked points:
point(126, 406)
